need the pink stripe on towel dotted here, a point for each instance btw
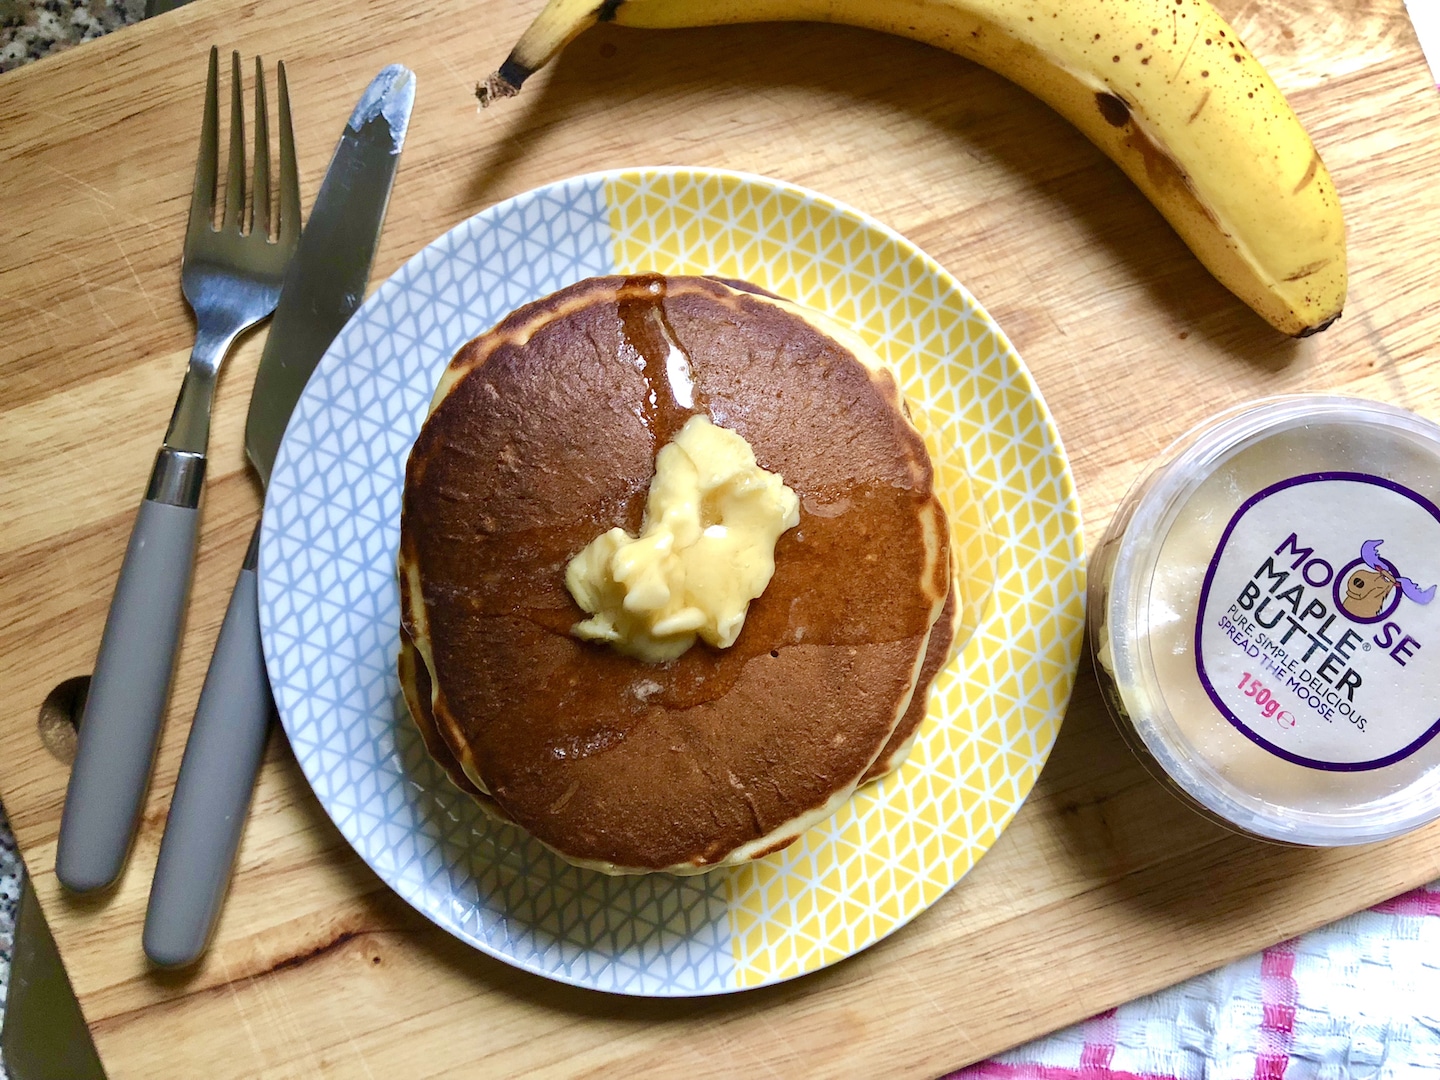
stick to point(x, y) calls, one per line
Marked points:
point(1095, 1057)
point(1416, 903)
point(994, 1070)
point(1277, 1002)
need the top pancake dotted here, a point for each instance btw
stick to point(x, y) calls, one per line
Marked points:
point(542, 435)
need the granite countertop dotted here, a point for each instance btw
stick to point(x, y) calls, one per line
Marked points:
point(10, 871)
point(30, 29)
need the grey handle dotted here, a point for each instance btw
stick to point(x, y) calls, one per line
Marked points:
point(121, 723)
point(212, 795)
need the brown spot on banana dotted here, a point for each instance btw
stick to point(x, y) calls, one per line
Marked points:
point(1113, 109)
point(1204, 100)
point(1309, 174)
point(1162, 169)
point(1308, 269)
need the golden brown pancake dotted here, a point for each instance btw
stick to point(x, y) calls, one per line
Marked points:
point(542, 435)
point(938, 653)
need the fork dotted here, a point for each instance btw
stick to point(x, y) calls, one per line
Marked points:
point(231, 278)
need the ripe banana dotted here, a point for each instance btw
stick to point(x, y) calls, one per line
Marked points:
point(1164, 87)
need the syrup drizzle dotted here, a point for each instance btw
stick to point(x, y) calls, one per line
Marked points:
point(648, 341)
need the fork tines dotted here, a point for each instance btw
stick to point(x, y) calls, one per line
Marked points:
point(258, 221)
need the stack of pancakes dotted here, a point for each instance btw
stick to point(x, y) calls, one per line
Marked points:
point(542, 435)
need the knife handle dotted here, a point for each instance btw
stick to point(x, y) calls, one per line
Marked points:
point(217, 777)
point(120, 726)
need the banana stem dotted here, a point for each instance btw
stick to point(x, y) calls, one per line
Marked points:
point(558, 24)
point(502, 84)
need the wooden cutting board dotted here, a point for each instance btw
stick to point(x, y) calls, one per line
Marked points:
point(1102, 889)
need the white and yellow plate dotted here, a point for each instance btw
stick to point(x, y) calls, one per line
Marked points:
point(329, 606)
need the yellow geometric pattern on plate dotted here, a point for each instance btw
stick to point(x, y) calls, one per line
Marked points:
point(899, 844)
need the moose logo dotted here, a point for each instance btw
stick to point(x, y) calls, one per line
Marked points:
point(1369, 582)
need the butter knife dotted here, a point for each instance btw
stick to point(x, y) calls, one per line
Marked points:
point(323, 286)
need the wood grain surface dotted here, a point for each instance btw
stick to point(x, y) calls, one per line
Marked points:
point(1102, 889)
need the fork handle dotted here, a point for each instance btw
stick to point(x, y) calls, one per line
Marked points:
point(217, 778)
point(120, 726)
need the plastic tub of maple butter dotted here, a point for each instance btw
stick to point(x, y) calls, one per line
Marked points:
point(1264, 620)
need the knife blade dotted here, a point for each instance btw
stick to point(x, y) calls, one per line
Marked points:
point(323, 286)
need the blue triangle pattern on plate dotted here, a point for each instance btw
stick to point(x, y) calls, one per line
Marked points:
point(330, 617)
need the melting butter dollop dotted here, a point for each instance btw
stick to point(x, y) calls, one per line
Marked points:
point(706, 549)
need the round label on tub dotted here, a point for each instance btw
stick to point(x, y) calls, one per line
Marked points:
point(1318, 617)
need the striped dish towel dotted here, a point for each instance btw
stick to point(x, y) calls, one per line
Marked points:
point(1357, 999)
